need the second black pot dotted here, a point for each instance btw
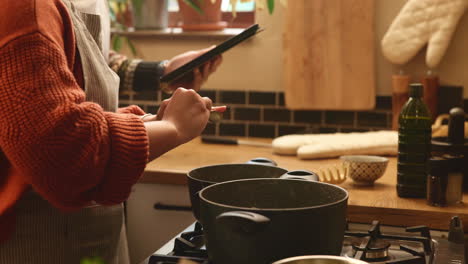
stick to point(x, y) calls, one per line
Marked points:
point(202, 177)
point(259, 221)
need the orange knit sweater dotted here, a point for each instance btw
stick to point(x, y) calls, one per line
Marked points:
point(68, 150)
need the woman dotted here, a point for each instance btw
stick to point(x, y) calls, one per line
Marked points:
point(68, 155)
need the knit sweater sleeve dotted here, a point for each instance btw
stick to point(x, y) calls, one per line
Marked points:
point(70, 151)
point(136, 75)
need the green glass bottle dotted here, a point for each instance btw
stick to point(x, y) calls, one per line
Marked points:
point(414, 145)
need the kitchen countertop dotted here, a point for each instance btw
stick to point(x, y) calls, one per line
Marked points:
point(378, 202)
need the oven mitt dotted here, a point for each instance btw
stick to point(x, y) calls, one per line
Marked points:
point(313, 146)
point(422, 22)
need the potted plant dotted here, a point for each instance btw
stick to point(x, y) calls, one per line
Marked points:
point(206, 14)
point(201, 15)
point(150, 14)
point(121, 21)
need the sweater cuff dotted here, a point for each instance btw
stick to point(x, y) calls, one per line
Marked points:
point(131, 109)
point(129, 148)
point(138, 75)
point(147, 74)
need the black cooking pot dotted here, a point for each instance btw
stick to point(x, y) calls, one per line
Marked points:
point(259, 221)
point(202, 177)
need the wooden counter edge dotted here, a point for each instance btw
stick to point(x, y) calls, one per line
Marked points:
point(356, 213)
point(176, 177)
point(404, 217)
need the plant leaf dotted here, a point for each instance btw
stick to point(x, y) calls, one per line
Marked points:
point(137, 4)
point(131, 46)
point(112, 13)
point(93, 260)
point(194, 5)
point(117, 42)
point(271, 6)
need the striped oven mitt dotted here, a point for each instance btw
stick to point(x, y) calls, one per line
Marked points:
point(422, 22)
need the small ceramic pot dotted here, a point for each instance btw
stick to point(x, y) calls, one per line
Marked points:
point(364, 170)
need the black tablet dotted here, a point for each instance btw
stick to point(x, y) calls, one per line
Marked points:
point(185, 70)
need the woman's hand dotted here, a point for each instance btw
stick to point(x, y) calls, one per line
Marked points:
point(187, 111)
point(200, 75)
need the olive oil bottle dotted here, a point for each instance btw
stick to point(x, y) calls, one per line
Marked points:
point(414, 145)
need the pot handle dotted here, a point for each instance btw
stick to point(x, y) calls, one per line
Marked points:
point(243, 221)
point(301, 175)
point(262, 161)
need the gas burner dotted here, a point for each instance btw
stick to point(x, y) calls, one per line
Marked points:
point(374, 247)
point(189, 245)
point(412, 245)
point(375, 250)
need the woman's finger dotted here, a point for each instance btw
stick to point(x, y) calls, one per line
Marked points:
point(197, 79)
point(213, 66)
point(217, 62)
point(161, 109)
point(206, 71)
point(208, 102)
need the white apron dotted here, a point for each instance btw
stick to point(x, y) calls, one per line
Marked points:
point(45, 235)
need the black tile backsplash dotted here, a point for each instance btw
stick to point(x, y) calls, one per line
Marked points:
point(305, 116)
point(124, 96)
point(228, 97)
point(209, 94)
point(259, 130)
point(228, 129)
point(146, 96)
point(383, 102)
point(351, 130)
point(210, 129)
point(339, 117)
point(287, 130)
point(248, 113)
point(153, 109)
point(281, 99)
point(262, 98)
point(449, 97)
point(325, 130)
point(370, 119)
point(263, 114)
point(276, 114)
point(227, 115)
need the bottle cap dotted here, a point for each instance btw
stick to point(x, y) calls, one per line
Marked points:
point(416, 90)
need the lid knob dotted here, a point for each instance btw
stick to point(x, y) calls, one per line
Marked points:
point(456, 126)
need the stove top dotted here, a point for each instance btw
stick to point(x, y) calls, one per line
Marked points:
point(371, 243)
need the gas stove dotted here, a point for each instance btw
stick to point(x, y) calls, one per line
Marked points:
point(372, 243)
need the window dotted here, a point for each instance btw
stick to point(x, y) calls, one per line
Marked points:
point(245, 14)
